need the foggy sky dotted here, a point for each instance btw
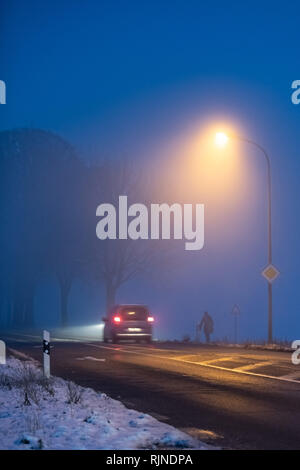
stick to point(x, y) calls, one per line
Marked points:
point(130, 80)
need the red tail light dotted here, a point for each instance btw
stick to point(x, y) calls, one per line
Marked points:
point(117, 319)
point(150, 319)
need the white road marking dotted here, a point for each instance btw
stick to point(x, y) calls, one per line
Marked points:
point(71, 340)
point(21, 339)
point(292, 375)
point(159, 417)
point(237, 371)
point(139, 351)
point(201, 434)
point(226, 358)
point(255, 365)
point(20, 354)
point(202, 364)
point(134, 347)
point(90, 358)
point(106, 347)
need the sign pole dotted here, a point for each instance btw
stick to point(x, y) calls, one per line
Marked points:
point(236, 312)
point(235, 329)
point(46, 353)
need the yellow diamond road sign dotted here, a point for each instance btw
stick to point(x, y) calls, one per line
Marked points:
point(270, 273)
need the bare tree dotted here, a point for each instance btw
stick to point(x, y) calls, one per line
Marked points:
point(40, 212)
point(122, 260)
point(118, 261)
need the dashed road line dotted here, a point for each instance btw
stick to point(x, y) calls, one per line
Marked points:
point(90, 358)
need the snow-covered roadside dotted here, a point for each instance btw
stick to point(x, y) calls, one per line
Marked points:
point(39, 414)
point(263, 347)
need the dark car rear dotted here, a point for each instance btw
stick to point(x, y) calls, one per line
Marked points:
point(127, 322)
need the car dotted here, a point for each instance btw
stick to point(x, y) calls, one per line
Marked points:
point(128, 322)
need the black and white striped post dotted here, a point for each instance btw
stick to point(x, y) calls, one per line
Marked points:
point(46, 353)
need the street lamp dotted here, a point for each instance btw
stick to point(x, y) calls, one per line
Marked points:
point(270, 272)
point(221, 139)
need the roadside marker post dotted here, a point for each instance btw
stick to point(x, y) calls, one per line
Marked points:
point(2, 352)
point(46, 353)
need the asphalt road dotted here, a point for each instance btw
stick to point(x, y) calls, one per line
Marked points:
point(233, 398)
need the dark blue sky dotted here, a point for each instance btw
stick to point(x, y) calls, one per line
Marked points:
point(124, 78)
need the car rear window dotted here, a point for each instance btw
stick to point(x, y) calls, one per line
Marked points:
point(134, 313)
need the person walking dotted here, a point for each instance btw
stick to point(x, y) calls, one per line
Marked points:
point(208, 326)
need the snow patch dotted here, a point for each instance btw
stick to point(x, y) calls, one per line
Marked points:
point(36, 413)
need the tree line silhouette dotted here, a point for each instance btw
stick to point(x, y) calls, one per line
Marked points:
point(48, 206)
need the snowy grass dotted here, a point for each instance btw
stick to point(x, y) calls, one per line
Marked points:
point(36, 413)
point(277, 345)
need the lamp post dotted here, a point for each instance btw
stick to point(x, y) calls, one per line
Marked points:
point(270, 272)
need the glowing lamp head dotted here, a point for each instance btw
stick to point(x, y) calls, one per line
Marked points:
point(221, 139)
point(150, 319)
point(117, 319)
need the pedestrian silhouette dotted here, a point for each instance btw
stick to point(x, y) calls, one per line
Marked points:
point(208, 326)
